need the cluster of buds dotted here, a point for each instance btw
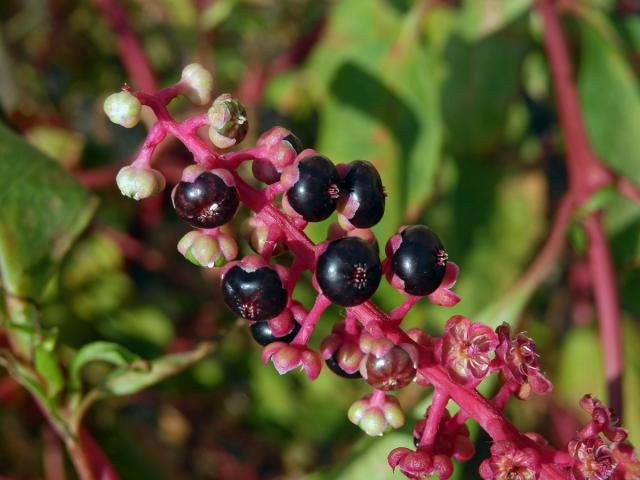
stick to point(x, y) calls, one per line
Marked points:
point(292, 186)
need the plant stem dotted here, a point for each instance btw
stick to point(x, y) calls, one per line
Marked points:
point(586, 175)
point(131, 52)
point(438, 405)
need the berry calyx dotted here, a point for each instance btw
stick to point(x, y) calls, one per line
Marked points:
point(392, 371)
point(420, 261)
point(364, 206)
point(315, 193)
point(255, 294)
point(263, 334)
point(348, 271)
point(228, 121)
point(208, 201)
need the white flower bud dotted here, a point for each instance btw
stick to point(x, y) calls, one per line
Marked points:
point(139, 183)
point(123, 109)
point(199, 83)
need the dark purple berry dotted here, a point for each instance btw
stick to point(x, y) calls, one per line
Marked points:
point(366, 197)
point(261, 333)
point(315, 194)
point(294, 141)
point(420, 260)
point(335, 367)
point(392, 371)
point(257, 295)
point(349, 271)
point(207, 202)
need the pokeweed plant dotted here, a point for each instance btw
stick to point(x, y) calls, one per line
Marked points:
point(291, 186)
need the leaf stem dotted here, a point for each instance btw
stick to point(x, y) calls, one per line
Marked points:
point(586, 175)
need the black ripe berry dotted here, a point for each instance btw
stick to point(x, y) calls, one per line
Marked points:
point(349, 271)
point(420, 260)
point(294, 141)
point(207, 202)
point(261, 333)
point(335, 367)
point(366, 194)
point(257, 295)
point(315, 194)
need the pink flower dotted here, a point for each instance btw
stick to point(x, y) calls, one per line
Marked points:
point(509, 463)
point(286, 357)
point(627, 460)
point(603, 420)
point(465, 349)
point(420, 465)
point(520, 362)
point(452, 439)
point(592, 460)
point(443, 295)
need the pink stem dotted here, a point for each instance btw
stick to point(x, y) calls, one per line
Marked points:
point(586, 175)
point(131, 52)
point(156, 134)
point(607, 306)
point(311, 319)
point(628, 189)
point(398, 313)
point(432, 425)
point(377, 399)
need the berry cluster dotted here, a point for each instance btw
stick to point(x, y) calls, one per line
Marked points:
point(300, 186)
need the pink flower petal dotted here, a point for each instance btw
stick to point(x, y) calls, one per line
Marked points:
point(450, 275)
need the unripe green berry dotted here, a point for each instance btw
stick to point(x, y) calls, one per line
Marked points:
point(373, 422)
point(139, 183)
point(228, 121)
point(203, 251)
point(394, 415)
point(123, 109)
point(229, 248)
point(357, 411)
point(199, 83)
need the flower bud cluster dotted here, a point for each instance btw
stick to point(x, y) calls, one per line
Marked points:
point(299, 186)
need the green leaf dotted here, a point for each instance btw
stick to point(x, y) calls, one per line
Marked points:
point(483, 79)
point(127, 382)
point(367, 460)
point(43, 210)
point(483, 17)
point(46, 364)
point(100, 352)
point(610, 103)
point(375, 85)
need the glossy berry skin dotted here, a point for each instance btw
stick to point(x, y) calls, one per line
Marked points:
point(261, 333)
point(392, 371)
point(348, 271)
point(257, 295)
point(333, 365)
point(207, 202)
point(363, 185)
point(295, 142)
point(420, 260)
point(315, 194)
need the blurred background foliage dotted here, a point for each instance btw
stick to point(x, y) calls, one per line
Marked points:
point(451, 100)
